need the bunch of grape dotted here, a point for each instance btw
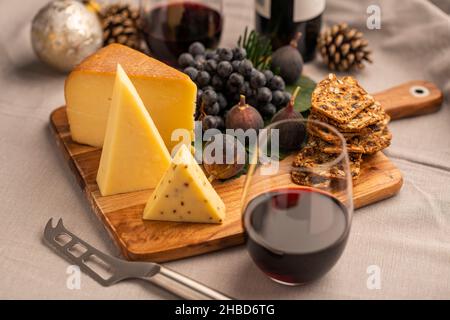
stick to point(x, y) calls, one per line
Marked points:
point(222, 75)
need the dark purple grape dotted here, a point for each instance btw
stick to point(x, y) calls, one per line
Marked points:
point(225, 54)
point(277, 83)
point(287, 97)
point(212, 109)
point(245, 89)
point(224, 69)
point(220, 123)
point(231, 88)
point(245, 68)
point(199, 96)
point(263, 95)
point(191, 72)
point(239, 53)
point(257, 79)
point(268, 74)
point(217, 82)
point(267, 110)
point(207, 88)
point(236, 79)
point(211, 65)
point(200, 58)
point(252, 101)
point(203, 78)
point(277, 98)
point(186, 60)
point(196, 48)
point(235, 64)
point(222, 101)
point(199, 66)
point(200, 62)
point(211, 55)
point(224, 115)
point(209, 97)
point(209, 122)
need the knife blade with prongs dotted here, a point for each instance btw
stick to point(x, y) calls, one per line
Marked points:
point(82, 254)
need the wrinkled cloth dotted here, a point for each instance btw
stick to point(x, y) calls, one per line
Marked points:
point(405, 239)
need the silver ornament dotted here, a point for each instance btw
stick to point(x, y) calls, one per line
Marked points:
point(64, 32)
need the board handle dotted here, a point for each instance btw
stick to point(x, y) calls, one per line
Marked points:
point(409, 99)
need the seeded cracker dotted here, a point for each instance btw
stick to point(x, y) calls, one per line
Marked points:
point(369, 144)
point(340, 99)
point(310, 179)
point(330, 137)
point(326, 135)
point(367, 117)
point(311, 158)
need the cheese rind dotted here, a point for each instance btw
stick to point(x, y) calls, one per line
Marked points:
point(168, 94)
point(134, 156)
point(184, 194)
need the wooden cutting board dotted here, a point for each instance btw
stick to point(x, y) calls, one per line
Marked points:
point(164, 241)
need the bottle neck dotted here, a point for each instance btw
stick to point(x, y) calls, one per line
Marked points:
point(305, 10)
point(302, 10)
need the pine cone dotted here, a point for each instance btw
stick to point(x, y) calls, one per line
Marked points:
point(120, 24)
point(343, 48)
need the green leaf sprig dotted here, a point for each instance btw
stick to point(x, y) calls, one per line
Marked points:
point(258, 47)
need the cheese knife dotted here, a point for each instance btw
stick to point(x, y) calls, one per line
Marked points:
point(108, 270)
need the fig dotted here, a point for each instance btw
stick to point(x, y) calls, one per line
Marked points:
point(243, 116)
point(288, 61)
point(229, 163)
point(292, 133)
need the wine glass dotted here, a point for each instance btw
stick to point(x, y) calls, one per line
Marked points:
point(296, 232)
point(169, 26)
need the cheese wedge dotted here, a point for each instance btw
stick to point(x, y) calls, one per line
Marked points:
point(185, 194)
point(168, 94)
point(134, 156)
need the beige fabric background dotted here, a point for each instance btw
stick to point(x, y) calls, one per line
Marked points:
point(407, 236)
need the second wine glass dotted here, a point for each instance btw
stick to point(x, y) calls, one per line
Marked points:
point(169, 26)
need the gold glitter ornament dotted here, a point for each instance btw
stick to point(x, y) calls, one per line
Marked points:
point(64, 32)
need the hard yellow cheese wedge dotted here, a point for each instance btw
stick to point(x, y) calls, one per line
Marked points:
point(185, 194)
point(168, 94)
point(134, 156)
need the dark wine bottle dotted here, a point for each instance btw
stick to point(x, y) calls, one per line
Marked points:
point(282, 19)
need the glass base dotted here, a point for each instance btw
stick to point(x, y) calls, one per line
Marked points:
point(288, 283)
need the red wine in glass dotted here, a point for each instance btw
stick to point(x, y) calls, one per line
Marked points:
point(296, 235)
point(171, 27)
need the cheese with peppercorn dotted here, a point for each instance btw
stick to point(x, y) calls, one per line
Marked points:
point(184, 194)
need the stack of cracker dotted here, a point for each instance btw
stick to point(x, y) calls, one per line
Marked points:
point(345, 105)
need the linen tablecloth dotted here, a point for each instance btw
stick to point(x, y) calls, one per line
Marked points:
point(405, 238)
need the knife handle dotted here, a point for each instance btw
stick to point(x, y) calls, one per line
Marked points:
point(412, 98)
point(184, 287)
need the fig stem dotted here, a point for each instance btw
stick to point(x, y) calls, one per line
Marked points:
point(242, 100)
point(294, 97)
point(294, 41)
point(202, 110)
